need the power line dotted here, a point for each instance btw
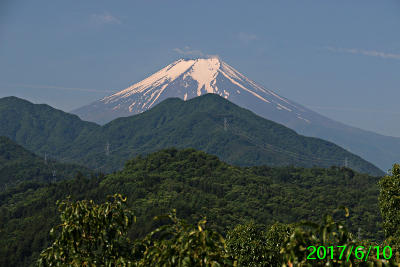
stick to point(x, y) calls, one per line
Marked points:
point(263, 145)
point(293, 154)
point(337, 161)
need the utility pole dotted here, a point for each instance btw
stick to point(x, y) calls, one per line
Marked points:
point(54, 176)
point(45, 158)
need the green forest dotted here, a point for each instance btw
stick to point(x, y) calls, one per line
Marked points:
point(209, 123)
point(195, 191)
point(18, 164)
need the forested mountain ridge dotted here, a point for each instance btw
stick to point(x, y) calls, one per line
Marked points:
point(18, 164)
point(196, 184)
point(39, 127)
point(209, 123)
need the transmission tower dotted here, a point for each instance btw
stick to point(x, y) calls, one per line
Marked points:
point(346, 162)
point(54, 175)
point(107, 149)
point(225, 124)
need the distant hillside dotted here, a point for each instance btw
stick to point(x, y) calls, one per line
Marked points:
point(209, 123)
point(189, 78)
point(197, 185)
point(18, 164)
point(40, 128)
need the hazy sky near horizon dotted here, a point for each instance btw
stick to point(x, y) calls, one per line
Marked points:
point(340, 58)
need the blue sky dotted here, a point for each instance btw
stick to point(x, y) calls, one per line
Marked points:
point(340, 58)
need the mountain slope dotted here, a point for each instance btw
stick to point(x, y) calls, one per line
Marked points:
point(209, 123)
point(247, 138)
point(194, 77)
point(40, 128)
point(18, 164)
point(196, 185)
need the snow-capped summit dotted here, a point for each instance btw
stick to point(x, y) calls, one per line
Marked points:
point(188, 78)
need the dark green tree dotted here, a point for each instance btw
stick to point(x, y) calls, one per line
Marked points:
point(248, 243)
point(328, 233)
point(252, 246)
point(181, 244)
point(389, 203)
point(277, 236)
point(90, 235)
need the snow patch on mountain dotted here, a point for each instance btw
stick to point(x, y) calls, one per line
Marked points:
point(189, 78)
point(204, 71)
point(167, 74)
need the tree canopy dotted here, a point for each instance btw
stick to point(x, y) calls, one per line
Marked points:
point(389, 203)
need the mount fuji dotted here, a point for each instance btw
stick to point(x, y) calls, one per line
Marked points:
point(189, 78)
